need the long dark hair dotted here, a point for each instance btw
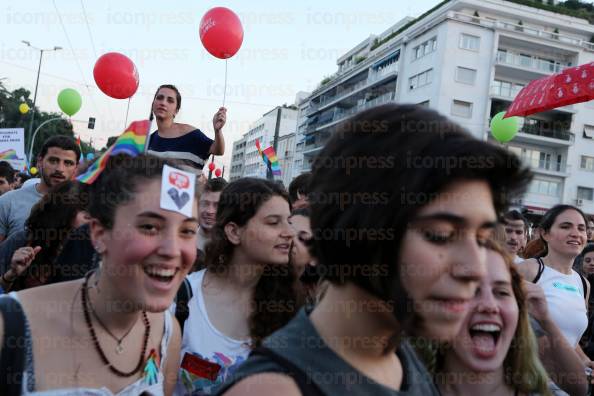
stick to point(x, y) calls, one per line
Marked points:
point(48, 225)
point(275, 299)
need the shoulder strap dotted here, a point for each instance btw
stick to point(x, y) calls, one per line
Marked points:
point(305, 384)
point(585, 287)
point(12, 356)
point(182, 310)
point(541, 267)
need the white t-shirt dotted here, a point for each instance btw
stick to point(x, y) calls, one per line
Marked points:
point(208, 356)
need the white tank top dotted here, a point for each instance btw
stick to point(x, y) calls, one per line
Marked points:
point(566, 301)
point(208, 356)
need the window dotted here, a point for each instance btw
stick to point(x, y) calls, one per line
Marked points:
point(462, 109)
point(587, 163)
point(470, 42)
point(420, 79)
point(585, 193)
point(465, 75)
point(588, 131)
point(544, 187)
point(424, 48)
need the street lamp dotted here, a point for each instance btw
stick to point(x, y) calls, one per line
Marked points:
point(41, 50)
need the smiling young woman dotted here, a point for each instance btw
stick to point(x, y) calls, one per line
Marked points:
point(564, 235)
point(495, 351)
point(247, 289)
point(108, 333)
point(402, 202)
point(186, 144)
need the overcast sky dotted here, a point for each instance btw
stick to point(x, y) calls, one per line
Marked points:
point(289, 46)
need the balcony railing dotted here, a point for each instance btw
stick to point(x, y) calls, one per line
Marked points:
point(547, 165)
point(505, 92)
point(527, 30)
point(546, 132)
point(527, 62)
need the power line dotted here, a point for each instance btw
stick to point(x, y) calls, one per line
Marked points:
point(82, 4)
point(76, 60)
point(144, 93)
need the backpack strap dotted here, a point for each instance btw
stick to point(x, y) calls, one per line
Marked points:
point(12, 356)
point(183, 297)
point(541, 267)
point(305, 384)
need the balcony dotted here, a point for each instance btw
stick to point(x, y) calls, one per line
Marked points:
point(508, 92)
point(545, 136)
point(548, 167)
point(530, 63)
point(524, 30)
point(341, 93)
point(340, 114)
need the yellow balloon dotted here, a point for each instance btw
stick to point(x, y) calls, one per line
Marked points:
point(24, 108)
point(33, 170)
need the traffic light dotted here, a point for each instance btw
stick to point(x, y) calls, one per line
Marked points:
point(91, 124)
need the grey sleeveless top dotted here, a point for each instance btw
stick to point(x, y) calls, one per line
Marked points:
point(300, 343)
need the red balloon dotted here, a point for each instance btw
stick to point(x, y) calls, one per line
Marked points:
point(211, 166)
point(221, 32)
point(116, 75)
point(218, 173)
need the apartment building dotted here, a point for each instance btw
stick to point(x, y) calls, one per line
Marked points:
point(468, 59)
point(245, 159)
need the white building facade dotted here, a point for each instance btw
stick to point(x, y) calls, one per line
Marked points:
point(245, 150)
point(468, 59)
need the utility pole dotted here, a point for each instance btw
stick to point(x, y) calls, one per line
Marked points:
point(41, 50)
point(269, 174)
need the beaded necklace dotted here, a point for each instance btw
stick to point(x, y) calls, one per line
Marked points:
point(87, 315)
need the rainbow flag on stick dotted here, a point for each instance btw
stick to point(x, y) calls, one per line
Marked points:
point(131, 142)
point(271, 155)
point(269, 158)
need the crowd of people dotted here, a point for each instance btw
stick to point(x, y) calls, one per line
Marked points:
point(367, 275)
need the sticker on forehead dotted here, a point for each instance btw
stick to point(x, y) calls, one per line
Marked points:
point(177, 190)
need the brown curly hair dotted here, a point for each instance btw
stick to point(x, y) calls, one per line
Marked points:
point(48, 225)
point(275, 299)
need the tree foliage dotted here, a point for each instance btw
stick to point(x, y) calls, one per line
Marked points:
point(11, 117)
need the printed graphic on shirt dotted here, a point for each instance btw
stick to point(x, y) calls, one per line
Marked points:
point(201, 376)
point(566, 287)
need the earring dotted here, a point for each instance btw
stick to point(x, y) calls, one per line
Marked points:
point(99, 248)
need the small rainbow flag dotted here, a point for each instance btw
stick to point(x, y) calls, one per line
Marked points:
point(271, 155)
point(131, 142)
point(269, 158)
point(9, 154)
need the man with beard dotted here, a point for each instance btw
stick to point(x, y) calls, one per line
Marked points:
point(515, 226)
point(56, 162)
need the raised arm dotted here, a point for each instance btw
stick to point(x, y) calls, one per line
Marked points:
point(218, 122)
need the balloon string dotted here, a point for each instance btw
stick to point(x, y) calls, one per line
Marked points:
point(127, 110)
point(225, 86)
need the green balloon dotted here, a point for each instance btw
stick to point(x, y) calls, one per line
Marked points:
point(504, 130)
point(69, 101)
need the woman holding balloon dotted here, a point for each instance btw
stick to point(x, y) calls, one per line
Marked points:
point(182, 141)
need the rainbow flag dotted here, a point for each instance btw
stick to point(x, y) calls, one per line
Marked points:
point(274, 165)
point(269, 158)
point(9, 154)
point(131, 142)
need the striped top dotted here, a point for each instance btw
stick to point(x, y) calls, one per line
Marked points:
point(192, 149)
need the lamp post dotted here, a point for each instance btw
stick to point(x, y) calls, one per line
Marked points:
point(41, 50)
